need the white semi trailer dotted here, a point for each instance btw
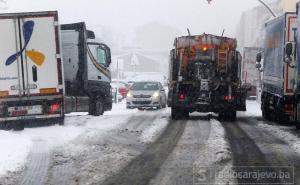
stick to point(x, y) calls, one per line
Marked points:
point(31, 80)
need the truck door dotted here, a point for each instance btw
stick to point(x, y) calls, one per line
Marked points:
point(30, 56)
point(40, 55)
point(290, 36)
point(97, 68)
point(11, 75)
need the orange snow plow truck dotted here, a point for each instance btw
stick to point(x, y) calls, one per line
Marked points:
point(205, 76)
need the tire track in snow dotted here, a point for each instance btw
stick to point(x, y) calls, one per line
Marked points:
point(178, 168)
point(145, 166)
point(38, 163)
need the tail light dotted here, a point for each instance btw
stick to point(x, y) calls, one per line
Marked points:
point(181, 97)
point(55, 107)
point(229, 99)
point(289, 108)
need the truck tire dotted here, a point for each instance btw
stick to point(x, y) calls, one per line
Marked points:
point(298, 125)
point(91, 106)
point(99, 107)
point(227, 116)
point(174, 113)
point(266, 114)
point(61, 121)
point(96, 107)
point(221, 116)
point(232, 116)
point(19, 125)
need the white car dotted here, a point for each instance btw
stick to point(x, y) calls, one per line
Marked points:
point(146, 95)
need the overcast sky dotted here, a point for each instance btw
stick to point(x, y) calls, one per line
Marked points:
point(125, 15)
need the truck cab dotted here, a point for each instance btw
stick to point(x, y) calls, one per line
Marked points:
point(86, 68)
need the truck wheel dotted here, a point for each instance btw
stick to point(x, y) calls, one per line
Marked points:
point(221, 116)
point(61, 121)
point(19, 125)
point(266, 114)
point(174, 113)
point(232, 116)
point(99, 107)
point(298, 125)
point(91, 106)
point(185, 114)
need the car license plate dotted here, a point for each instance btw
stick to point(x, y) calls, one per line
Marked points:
point(25, 110)
point(142, 99)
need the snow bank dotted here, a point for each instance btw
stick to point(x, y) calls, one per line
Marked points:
point(217, 153)
point(15, 146)
point(292, 140)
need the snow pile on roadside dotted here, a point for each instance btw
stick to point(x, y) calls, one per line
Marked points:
point(151, 133)
point(253, 108)
point(15, 146)
point(292, 140)
point(14, 149)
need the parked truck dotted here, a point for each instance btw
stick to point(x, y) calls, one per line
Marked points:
point(280, 92)
point(31, 79)
point(205, 76)
point(86, 70)
point(250, 75)
point(46, 71)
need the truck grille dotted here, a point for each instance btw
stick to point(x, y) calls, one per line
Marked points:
point(142, 96)
point(141, 102)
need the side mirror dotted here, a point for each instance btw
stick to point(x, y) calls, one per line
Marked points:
point(258, 57)
point(90, 34)
point(289, 49)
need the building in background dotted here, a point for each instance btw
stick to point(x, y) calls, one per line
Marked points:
point(131, 62)
point(250, 31)
point(288, 5)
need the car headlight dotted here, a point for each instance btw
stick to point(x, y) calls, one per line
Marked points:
point(155, 95)
point(129, 95)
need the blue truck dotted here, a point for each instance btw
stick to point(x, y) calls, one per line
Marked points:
point(280, 97)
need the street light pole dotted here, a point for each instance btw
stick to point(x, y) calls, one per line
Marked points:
point(269, 8)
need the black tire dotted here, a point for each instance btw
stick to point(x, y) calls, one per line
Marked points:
point(61, 122)
point(185, 114)
point(298, 125)
point(221, 116)
point(232, 116)
point(266, 114)
point(99, 107)
point(91, 106)
point(227, 116)
point(174, 113)
point(19, 125)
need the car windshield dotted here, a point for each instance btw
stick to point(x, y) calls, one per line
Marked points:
point(145, 86)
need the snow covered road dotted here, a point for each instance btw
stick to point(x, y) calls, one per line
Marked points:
point(146, 147)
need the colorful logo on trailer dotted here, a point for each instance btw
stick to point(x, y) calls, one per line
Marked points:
point(37, 57)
